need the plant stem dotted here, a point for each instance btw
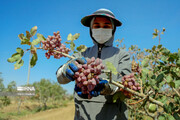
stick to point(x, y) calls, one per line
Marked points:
point(136, 93)
point(71, 57)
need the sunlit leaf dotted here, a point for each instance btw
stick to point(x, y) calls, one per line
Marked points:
point(14, 57)
point(81, 48)
point(162, 117)
point(18, 64)
point(33, 31)
point(169, 78)
point(152, 108)
point(76, 36)
point(35, 42)
point(70, 37)
point(170, 117)
point(41, 37)
point(177, 84)
point(72, 45)
point(20, 51)
point(178, 62)
point(145, 62)
point(111, 67)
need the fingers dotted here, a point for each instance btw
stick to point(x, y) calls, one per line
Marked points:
point(80, 94)
point(94, 93)
point(103, 81)
point(81, 60)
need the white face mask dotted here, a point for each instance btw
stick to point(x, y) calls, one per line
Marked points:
point(101, 35)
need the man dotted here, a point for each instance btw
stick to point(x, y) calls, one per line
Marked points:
point(102, 24)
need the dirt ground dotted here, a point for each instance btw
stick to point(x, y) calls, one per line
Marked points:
point(64, 113)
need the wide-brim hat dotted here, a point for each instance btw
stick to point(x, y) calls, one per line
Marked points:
point(101, 12)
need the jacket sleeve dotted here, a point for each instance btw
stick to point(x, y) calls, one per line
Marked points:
point(124, 68)
point(61, 78)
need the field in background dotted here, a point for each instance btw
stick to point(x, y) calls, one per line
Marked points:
point(30, 110)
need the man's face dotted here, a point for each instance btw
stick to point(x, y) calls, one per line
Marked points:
point(102, 22)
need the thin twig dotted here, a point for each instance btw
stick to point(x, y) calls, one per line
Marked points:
point(176, 92)
point(136, 93)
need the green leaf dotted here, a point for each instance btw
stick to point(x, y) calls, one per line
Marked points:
point(152, 108)
point(28, 35)
point(118, 95)
point(33, 31)
point(33, 60)
point(156, 31)
point(172, 84)
point(154, 48)
point(145, 62)
point(178, 62)
point(35, 42)
point(162, 117)
point(169, 78)
point(68, 42)
point(70, 37)
point(164, 58)
point(177, 84)
point(81, 48)
point(20, 51)
point(41, 37)
point(159, 46)
point(170, 117)
point(18, 64)
point(176, 116)
point(167, 108)
point(177, 99)
point(15, 57)
point(25, 42)
point(111, 67)
point(160, 78)
point(179, 52)
point(21, 36)
point(163, 99)
point(165, 51)
point(72, 45)
point(76, 36)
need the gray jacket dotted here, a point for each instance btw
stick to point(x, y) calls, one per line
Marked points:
point(101, 107)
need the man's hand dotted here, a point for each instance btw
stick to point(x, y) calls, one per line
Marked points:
point(71, 67)
point(102, 88)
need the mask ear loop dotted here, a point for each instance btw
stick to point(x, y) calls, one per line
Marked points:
point(91, 24)
point(113, 26)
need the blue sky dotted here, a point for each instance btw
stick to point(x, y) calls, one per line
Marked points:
point(139, 18)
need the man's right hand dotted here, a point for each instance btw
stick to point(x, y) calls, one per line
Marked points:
point(71, 67)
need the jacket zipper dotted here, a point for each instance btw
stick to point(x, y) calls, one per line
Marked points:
point(99, 52)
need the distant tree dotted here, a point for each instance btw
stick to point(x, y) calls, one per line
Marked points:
point(1, 83)
point(11, 86)
point(45, 90)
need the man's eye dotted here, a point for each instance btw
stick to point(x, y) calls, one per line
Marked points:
point(106, 26)
point(96, 26)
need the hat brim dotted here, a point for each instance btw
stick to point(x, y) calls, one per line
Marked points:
point(87, 20)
